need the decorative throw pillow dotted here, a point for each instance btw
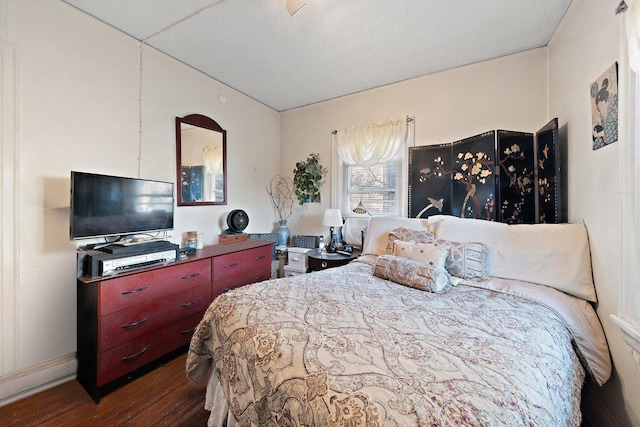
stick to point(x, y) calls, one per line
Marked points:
point(408, 235)
point(411, 273)
point(469, 260)
point(431, 254)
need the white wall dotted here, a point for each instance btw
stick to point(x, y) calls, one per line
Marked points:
point(77, 108)
point(507, 93)
point(585, 45)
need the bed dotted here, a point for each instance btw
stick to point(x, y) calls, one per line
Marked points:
point(501, 331)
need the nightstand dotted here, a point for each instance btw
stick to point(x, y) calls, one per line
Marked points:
point(323, 260)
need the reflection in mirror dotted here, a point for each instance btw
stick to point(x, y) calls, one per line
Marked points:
point(202, 161)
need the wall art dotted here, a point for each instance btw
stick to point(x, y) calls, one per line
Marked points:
point(604, 108)
point(506, 176)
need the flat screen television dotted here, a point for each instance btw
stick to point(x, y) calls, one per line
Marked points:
point(104, 205)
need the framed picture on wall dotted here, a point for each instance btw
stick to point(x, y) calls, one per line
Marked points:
point(604, 108)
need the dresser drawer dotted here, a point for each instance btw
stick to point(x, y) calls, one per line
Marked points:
point(241, 261)
point(297, 258)
point(125, 358)
point(240, 278)
point(323, 261)
point(125, 325)
point(128, 291)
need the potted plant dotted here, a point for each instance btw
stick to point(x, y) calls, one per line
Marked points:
point(308, 177)
point(280, 190)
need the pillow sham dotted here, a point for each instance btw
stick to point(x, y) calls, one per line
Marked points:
point(555, 255)
point(470, 260)
point(377, 236)
point(407, 235)
point(430, 253)
point(412, 274)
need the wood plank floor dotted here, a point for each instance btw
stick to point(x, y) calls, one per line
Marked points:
point(162, 397)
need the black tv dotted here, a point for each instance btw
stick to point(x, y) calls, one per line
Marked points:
point(104, 205)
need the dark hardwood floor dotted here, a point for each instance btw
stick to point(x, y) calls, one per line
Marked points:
point(162, 397)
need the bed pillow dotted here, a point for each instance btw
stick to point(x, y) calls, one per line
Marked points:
point(377, 236)
point(470, 260)
point(431, 254)
point(555, 255)
point(407, 235)
point(413, 274)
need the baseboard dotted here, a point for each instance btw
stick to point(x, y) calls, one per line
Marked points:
point(37, 378)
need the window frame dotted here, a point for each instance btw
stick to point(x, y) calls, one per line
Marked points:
point(402, 189)
point(628, 312)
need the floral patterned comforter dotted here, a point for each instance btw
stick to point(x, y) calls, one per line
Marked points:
point(344, 348)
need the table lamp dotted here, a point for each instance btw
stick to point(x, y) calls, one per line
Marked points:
point(332, 218)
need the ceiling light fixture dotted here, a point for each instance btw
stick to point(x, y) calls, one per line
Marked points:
point(294, 6)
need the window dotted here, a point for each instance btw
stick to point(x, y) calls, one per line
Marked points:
point(377, 187)
point(628, 316)
point(370, 167)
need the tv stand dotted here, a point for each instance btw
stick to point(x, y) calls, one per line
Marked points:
point(129, 321)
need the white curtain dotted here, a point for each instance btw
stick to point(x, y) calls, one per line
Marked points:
point(373, 143)
point(633, 33)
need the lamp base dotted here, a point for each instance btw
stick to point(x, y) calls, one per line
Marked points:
point(332, 247)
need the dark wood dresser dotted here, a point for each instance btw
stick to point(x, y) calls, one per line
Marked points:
point(126, 322)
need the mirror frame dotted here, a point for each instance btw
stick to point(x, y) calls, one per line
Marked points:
point(204, 122)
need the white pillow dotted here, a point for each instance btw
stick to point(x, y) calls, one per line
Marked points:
point(377, 236)
point(555, 255)
point(352, 230)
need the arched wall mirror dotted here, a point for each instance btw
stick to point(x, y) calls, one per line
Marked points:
point(201, 155)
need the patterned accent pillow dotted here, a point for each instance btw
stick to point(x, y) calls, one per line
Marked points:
point(411, 273)
point(431, 254)
point(408, 235)
point(471, 260)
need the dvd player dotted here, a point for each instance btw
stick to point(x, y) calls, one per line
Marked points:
point(99, 263)
point(110, 266)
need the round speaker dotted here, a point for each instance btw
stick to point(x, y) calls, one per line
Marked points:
point(237, 220)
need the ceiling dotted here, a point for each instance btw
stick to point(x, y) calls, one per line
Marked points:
point(330, 48)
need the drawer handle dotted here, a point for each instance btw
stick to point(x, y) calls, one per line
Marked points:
point(261, 257)
point(135, 291)
point(259, 278)
point(227, 289)
point(133, 356)
point(231, 265)
point(188, 331)
point(134, 324)
point(324, 264)
point(191, 276)
point(295, 259)
point(191, 304)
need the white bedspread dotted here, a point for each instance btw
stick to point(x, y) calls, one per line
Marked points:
point(343, 348)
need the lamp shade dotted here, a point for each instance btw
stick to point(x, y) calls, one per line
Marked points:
point(294, 6)
point(332, 218)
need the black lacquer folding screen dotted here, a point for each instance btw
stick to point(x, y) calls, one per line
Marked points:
point(504, 176)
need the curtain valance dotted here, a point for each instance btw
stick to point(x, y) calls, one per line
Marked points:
point(372, 143)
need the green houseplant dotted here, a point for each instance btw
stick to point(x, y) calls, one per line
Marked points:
point(308, 177)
